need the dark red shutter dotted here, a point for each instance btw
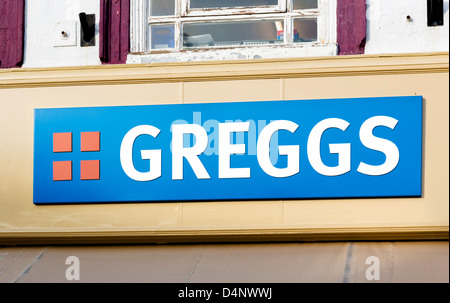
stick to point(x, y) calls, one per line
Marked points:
point(11, 33)
point(351, 26)
point(114, 31)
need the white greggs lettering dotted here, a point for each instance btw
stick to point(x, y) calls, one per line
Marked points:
point(226, 149)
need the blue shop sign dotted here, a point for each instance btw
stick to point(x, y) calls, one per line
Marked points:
point(302, 149)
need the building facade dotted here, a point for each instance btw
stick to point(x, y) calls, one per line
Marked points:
point(75, 72)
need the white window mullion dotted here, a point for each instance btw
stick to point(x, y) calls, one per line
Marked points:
point(288, 30)
point(183, 7)
point(233, 17)
point(178, 35)
point(282, 5)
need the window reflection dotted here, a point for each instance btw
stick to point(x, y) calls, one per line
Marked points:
point(162, 36)
point(304, 4)
point(230, 3)
point(162, 7)
point(231, 33)
point(305, 30)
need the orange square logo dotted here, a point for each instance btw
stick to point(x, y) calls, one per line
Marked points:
point(62, 170)
point(90, 141)
point(62, 142)
point(90, 170)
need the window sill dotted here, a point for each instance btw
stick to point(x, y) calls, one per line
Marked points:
point(235, 53)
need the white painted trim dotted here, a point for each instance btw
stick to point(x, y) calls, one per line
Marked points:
point(297, 50)
point(138, 26)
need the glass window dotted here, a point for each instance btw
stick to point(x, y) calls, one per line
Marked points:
point(230, 3)
point(162, 36)
point(162, 8)
point(177, 25)
point(304, 4)
point(231, 33)
point(305, 30)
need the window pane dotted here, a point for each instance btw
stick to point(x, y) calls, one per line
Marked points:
point(162, 7)
point(230, 3)
point(162, 36)
point(305, 4)
point(231, 33)
point(305, 30)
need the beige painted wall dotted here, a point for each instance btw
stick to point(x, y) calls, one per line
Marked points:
point(21, 91)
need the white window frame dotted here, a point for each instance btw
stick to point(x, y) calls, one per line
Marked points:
point(141, 23)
